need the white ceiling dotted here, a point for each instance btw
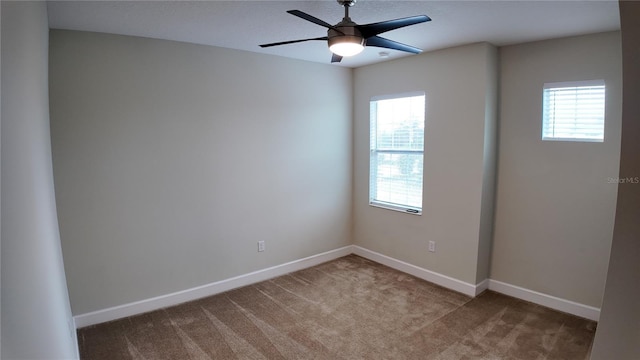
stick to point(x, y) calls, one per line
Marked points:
point(244, 25)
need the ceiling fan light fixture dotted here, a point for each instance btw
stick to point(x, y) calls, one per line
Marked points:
point(346, 45)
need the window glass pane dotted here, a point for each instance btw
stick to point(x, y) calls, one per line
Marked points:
point(573, 112)
point(397, 146)
point(398, 179)
point(400, 124)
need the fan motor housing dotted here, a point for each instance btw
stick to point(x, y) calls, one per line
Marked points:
point(350, 33)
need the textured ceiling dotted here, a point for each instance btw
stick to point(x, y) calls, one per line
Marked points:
point(243, 25)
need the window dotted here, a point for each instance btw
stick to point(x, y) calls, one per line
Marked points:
point(397, 152)
point(573, 111)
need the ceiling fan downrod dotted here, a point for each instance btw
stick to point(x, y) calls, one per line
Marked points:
point(346, 4)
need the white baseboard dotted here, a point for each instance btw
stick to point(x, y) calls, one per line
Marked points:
point(428, 275)
point(482, 286)
point(74, 337)
point(159, 302)
point(568, 306)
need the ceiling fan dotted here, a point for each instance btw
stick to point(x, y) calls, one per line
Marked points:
point(347, 38)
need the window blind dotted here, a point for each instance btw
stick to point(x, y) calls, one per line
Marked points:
point(397, 152)
point(574, 111)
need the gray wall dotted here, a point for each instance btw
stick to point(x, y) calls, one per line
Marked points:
point(555, 205)
point(36, 318)
point(489, 164)
point(618, 334)
point(172, 160)
point(0, 187)
point(460, 121)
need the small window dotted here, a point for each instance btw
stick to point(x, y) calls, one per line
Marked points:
point(573, 111)
point(397, 152)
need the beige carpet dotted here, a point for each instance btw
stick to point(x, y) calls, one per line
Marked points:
point(350, 308)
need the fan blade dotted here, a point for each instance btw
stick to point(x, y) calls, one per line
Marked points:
point(369, 30)
point(378, 41)
point(336, 58)
point(292, 42)
point(313, 19)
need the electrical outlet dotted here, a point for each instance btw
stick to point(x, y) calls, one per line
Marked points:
point(261, 246)
point(432, 246)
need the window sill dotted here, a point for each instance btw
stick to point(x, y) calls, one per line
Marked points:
point(589, 140)
point(402, 209)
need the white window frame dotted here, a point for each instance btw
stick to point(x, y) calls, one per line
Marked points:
point(405, 208)
point(548, 124)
